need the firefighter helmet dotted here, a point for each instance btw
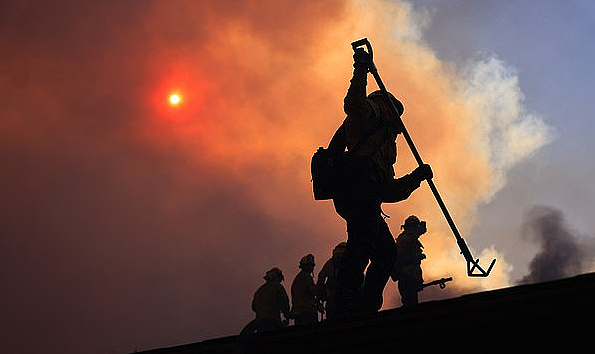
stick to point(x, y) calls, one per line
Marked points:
point(411, 221)
point(275, 274)
point(307, 260)
point(379, 95)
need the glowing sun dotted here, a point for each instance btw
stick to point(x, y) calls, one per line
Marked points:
point(175, 99)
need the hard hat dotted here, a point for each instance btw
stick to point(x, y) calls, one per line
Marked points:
point(274, 274)
point(379, 95)
point(307, 260)
point(412, 220)
point(339, 249)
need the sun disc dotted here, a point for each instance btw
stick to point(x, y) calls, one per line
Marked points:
point(175, 99)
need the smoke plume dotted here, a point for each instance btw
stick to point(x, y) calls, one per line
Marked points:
point(562, 251)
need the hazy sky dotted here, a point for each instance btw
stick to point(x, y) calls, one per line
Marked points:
point(129, 224)
point(548, 44)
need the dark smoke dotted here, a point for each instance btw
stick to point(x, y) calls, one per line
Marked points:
point(562, 251)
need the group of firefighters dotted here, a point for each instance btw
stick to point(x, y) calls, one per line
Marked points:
point(308, 298)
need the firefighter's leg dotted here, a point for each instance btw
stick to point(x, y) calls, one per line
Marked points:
point(382, 259)
point(408, 288)
point(353, 263)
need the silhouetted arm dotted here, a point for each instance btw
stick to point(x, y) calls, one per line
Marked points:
point(284, 302)
point(354, 103)
point(323, 276)
point(311, 287)
point(400, 189)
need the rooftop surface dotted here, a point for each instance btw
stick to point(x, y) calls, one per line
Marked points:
point(526, 316)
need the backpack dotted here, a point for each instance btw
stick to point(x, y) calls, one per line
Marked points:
point(324, 174)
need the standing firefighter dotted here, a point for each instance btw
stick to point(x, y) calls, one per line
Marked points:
point(407, 269)
point(366, 179)
point(303, 293)
point(270, 300)
point(327, 281)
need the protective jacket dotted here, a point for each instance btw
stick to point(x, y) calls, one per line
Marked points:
point(303, 293)
point(409, 257)
point(270, 300)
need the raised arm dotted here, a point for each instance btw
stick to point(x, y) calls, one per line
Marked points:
point(354, 103)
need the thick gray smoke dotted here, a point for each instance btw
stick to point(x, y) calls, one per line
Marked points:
point(563, 252)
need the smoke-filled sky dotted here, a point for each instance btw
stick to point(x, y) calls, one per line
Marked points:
point(129, 224)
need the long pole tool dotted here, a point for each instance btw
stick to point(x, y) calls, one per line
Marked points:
point(473, 267)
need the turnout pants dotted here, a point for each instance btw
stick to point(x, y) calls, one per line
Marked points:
point(369, 241)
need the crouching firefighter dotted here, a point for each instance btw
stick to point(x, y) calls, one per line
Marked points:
point(362, 179)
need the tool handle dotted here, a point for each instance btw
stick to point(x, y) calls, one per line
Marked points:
point(364, 42)
point(441, 282)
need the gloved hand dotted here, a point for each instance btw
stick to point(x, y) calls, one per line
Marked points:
point(361, 58)
point(423, 172)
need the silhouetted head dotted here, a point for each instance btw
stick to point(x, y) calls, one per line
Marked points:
point(307, 262)
point(274, 275)
point(414, 225)
point(378, 98)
